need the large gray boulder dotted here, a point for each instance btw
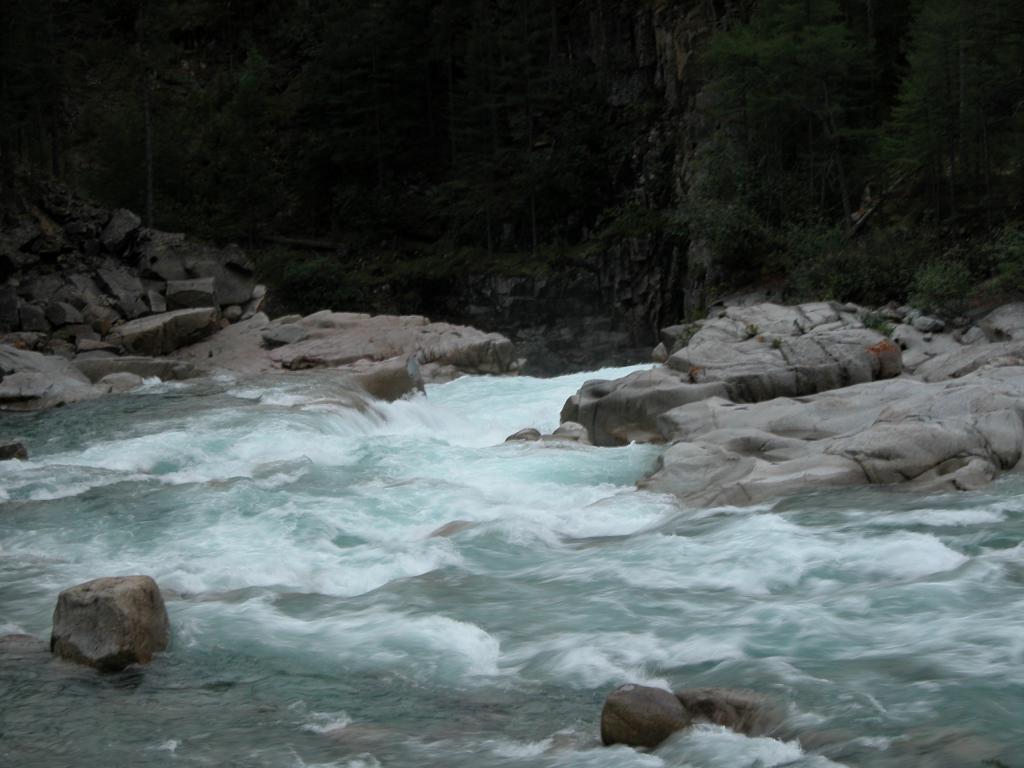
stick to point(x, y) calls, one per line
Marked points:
point(109, 623)
point(626, 410)
point(341, 338)
point(639, 716)
point(117, 235)
point(746, 354)
point(31, 381)
point(126, 289)
point(944, 436)
point(162, 334)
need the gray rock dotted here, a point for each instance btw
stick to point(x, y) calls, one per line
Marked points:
point(117, 235)
point(259, 291)
point(624, 411)
point(31, 381)
point(927, 324)
point(282, 335)
point(33, 318)
point(967, 360)
point(115, 383)
point(126, 289)
point(527, 435)
point(638, 716)
point(572, 432)
point(660, 354)
point(10, 451)
point(161, 334)
point(157, 302)
point(184, 294)
point(1005, 323)
point(389, 379)
point(60, 313)
point(95, 369)
point(343, 338)
point(110, 623)
point(945, 436)
point(101, 317)
point(233, 313)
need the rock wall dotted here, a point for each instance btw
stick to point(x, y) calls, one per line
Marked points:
point(74, 277)
point(607, 307)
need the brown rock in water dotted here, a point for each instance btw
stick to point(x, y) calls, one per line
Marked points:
point(10, 451)
point(638, 716)
point(452, 528)
point(745, 712)
point(109, 623)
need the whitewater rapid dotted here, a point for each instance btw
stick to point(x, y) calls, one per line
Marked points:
point(317, 622)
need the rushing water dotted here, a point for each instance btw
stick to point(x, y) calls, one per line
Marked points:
point(317, 623)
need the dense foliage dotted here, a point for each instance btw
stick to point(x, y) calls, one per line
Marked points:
point(852, 143)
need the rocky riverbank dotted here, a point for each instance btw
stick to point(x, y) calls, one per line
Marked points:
point(761, 401)
point(92, 302)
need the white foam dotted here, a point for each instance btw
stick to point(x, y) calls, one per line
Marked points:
point(710, 746)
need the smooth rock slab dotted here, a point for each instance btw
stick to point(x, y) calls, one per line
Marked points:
point(111, 622)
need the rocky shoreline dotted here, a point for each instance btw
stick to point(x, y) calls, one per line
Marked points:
point(761, 401)
point(94, 303)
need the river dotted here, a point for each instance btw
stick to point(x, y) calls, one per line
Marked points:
point(316, 622)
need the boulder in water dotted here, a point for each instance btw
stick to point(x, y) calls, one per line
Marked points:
point(109, 623)
point(745, 712)
point(527, 435)
point(9, 451)
point(639, 716)
point(572, 432)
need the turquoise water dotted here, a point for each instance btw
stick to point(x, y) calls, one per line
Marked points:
point(317, 623)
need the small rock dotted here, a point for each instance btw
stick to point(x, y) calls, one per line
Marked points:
point(259, 291)
point(660, 353)
point(61, 313)
point(232, 313)
point(927, 324)
point(452, 528)
point(570, 430)
point(109, 623)
point(529, 434)
point(11, 451)
point(638, 716)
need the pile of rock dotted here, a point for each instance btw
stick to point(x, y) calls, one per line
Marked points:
point(764, 400)
point(79, 281)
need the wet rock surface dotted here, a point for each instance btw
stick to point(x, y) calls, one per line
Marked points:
point(110, 623)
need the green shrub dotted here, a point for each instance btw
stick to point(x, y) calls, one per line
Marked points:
point(942, 286)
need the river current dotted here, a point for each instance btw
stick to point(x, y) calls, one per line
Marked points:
point(316, 622)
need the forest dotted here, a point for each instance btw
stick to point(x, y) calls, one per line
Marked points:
point(848, 149)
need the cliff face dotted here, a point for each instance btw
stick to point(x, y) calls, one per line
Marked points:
point(607, 306)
